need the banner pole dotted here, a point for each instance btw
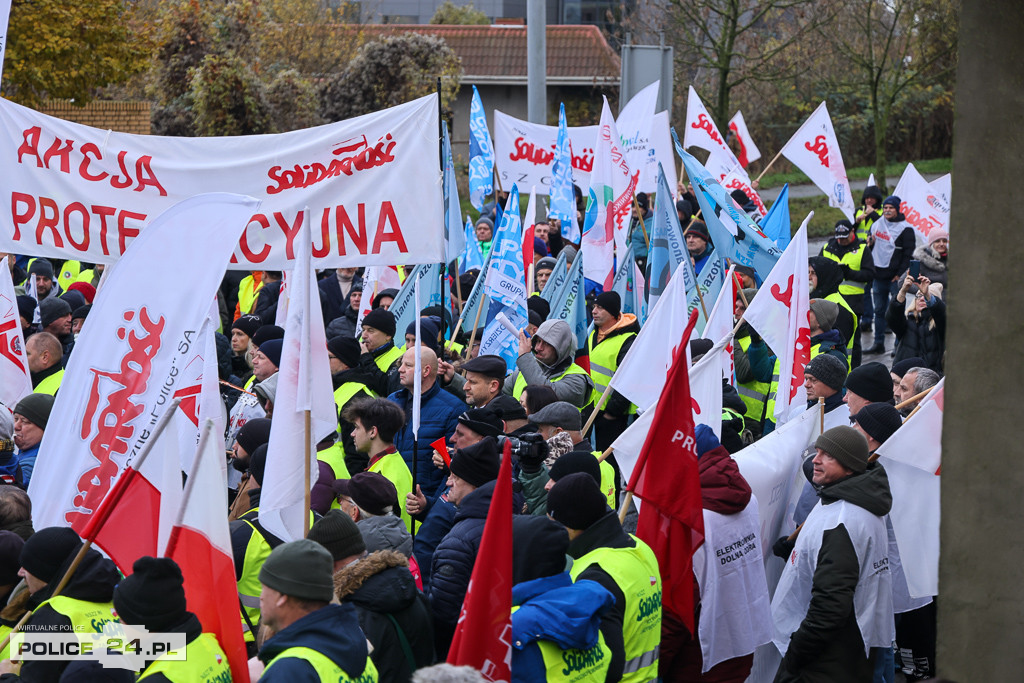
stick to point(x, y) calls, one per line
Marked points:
point(765, 170)
point(306, 467)
point(476, 324)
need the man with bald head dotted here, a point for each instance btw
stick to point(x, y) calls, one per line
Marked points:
point(439, 415)
point(44, 354)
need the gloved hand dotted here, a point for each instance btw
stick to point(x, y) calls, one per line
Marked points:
point(783, 547)
point(530, 459)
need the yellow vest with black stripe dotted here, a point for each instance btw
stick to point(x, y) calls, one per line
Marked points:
point(393, 468)
point(205, 662)
point(385, 360)
point(85, 616)
point(754, 393)
point(853, 260)
point(326, 669)
point(635, 571)
point(573, 369)
point(862, 226)
point(572, 665)
point(50, 384)
point(604, 360)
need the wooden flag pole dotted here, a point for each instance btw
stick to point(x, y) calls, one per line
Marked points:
point(640, 220)
point(624, 508)
point(765, 170)
point(604, 456)
point(910, 400)
point(476, 324)
point(186, 495)
point(306, 469)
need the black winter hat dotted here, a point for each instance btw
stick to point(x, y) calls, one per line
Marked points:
point(26, 307)
point(248, 324)
point(611, 302)
point(540, 305)
point(41, 267)
point(51, 309)
point(11, 545)
point(871, 382)
point(73, 298)
point(153, 595)
point(258, 463)
point(539, 546)
point(483, 421)
point(477, 464)
point(272, 350)
point(573, 462)
point(302, 569)
point(900, 368)
point(685, 208)
point(345, 349)
point(336, 532)
point(846, 445)
point(81, 313)
point(265, 333)
point(507, 408)
point(390, 294)
point(827, 369)
point(35, 408)
point(253, 434)
point(47, 550)
point(843, 228)
point(892, 200)
point(700, 230)
point(576, 501)
point(382, 320)
point(879, 420)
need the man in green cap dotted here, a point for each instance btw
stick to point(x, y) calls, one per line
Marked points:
point(313, 640)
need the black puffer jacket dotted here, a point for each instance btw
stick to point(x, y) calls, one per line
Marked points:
point(381, 588)
point(922, 336)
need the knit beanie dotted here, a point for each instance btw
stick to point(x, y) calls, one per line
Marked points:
point(35, 408)
point(51, 309)
point(477, 464)
point(539, 546)
point(486, 221)
point(382, 320)
point(846, 445)
point(936, 234)
point(828, 369)
point(86, 289)
point(247, 324)
point(871, 382)
point(576, 501)
point(336, 532)
point(26, 307)
point(826, 312)
point(253, 434)
point(611, 302)
point(706, 440)
point(546, 263)
point(265, 333)
point(258, 463)
point(699, 229)
point(301, 569)
point(507, 408)
point(893, 200)
point(73, 299)
point(483, 421)
point(47, 550)
point(41, 267)
point(534, 318)
point(11, 545)
point(900, 368)
point(345, 349)
point(541, 306)
point(81, 313)
point(429, 329)
point(879, 420)
point(153, 595)
point(749, 293)
point(573, 462)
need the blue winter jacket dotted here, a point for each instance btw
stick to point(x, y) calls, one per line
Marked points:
point(332, 630)
point(436, 525)
point(26, 463)
point(556, 609)
point(439, 415)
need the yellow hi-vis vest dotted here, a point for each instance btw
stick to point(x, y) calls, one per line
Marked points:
point(393, 468)
point(256, 553)
point(349, 390)
point(635, 571)
point(603, 362)
point(248, 290)
point(325, 668)
point(572, 665)
point(205, 662)
point(770, 408)
point(50, 384)
point(385, 360)
point(754, 394)
point(853, 260)
point(862, 226)
point(607, 481)
point(838, 300)
point(69, 273)
point(573, 369)
point(86, 617)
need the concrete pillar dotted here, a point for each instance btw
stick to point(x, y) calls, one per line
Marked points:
point(536, 62)
point(981, 592)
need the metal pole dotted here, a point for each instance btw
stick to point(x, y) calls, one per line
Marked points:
point(536, 61)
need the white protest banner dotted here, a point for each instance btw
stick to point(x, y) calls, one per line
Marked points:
point(700, 131)
point(814, 149)
point(524, 152)
point(924, 205)
point(660, 151)
point(75, 192)
point(634, 124)
point(128, 361)
point(737, 179)
point(15, 382)
point(5, 13)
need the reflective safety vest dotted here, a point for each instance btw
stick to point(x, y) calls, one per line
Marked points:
point(393, 468)
point(256, 553)
point(249, 382)
point(347, 391)
point(635, 571)
point(326, 669)
point(86, 617)
point(573, 369)
point(754, 394)
point(6, 652)
point(572, 665)
point(69, 273)
point(51, 384)
point(452, 347)
point(607, 481)
point(863, 226)
point(853, 260)
point(770, 407)
point(335, 457)
point(248, 290)
point(837, 298)
point(604, 360)
point(385, 360)
point(205, 662)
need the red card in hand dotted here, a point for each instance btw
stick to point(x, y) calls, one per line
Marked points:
point(442, 449)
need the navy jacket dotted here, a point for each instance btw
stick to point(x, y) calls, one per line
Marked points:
point(332, 630)
point(437, 523)
point(439, 415)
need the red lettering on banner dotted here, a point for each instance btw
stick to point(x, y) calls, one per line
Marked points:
point(76, 207)
point(387, 217)
point(60, 222)
point(20, 218)
point(924, 224)
point(124, 232)
point(10, 348)
point(801, 356)
point(290, 231)
point(619, 208)
point(704, 124)
point(538, 156)
point(325, 235)
point(30, 145)
point(584, 162)
point(62, 152)
point(83, 168)
point(737, 184)
point(103, 212)
point(344, 226)
point(144, 172)
point(353, 155)
point(820, 148)
point(107, 428)
point(117, 181)
point(49, 216)
point(784, 296)
point(243, 241)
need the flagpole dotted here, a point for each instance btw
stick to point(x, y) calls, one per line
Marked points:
point(765, 170)
point(700, 295)
point(458, 292)
point(624, 508)
point(186, 495)
point(476, 323)
point(640, 220)
point(910, 400)
point(306, 467)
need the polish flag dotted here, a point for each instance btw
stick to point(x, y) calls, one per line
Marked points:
point(529, 220)
point(748, 150)
point(15, 382)
point(201, 545)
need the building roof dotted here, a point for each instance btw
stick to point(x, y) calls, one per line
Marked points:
point(576, 55)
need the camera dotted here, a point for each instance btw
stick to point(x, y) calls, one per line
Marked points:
point(528, 446)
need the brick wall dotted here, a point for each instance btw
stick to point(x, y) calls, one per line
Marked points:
point(124, 117)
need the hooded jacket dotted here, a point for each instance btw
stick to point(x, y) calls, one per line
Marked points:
point(627, 323)
point(385, 532)
point(332, 631)
point(381, 588)
point(266, 390)
point(830, 276)
point(439, 416)
point(574, 388)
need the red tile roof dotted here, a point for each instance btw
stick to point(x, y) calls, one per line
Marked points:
point(497, 54)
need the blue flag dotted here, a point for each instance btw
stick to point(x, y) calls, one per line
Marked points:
point(668, 249)
point(710, 283)
point(734, 234)
point(573, 305)
point(481, 154)
point(626, 286)
point(476, 298)
point(559, 274)
point(471, 257)
point(563, 201)
point(404, 305)
point(505, 286)
point(455, 241)
point(776, 223)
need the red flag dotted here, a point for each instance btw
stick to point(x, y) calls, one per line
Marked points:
point(483, 636)
point(666, 478)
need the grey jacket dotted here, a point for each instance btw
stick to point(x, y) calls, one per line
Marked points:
point(575, 388)
point(386, 532)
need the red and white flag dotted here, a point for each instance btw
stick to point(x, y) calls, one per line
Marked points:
point(737, 179)
point(201, 545)
point(200, 393)
point(720, 323)
point(128, 360)
point(483, 635)
point(529, 220)
point(610, 204)
point(780, 316)
point(912, 458)
point(666, 478)
point(15, 382)
point(925, 205)
point(375, 280)
point(700, 131)
point(814, 149)
point(748, 150)
point(303, 384)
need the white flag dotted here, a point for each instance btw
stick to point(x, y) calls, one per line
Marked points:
point(199, 395)
point(721, 322)
point(15, 382)
point(748, 150)
point(5, 13)
point(127, 363)
point(635, 122)
point(814, 149)
point(925, 207)
point(700, 131)
point(785, 327)
point(304, 383)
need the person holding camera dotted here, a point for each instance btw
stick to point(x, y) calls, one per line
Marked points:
point(920, 325)
point(893, 244)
